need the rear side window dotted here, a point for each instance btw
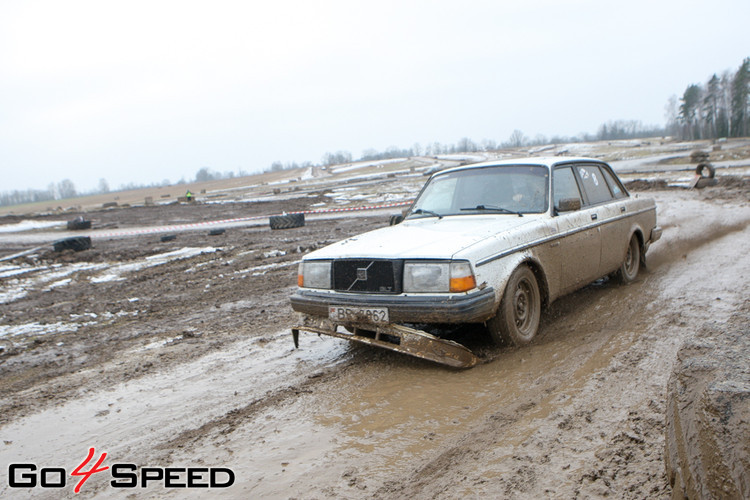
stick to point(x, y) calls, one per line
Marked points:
point(614, 186)
point(594, 184)
point(564, 185)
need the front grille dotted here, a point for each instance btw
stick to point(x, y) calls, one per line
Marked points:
point(372, 276)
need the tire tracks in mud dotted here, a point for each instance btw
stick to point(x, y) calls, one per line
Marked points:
point(511, 435)
point(678, 247)
point(539, 448)
point(226, 423)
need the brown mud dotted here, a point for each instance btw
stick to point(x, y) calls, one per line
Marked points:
point(179, 353)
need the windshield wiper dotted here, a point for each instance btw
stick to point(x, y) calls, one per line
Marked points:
point(427, 212)
point(494, 209)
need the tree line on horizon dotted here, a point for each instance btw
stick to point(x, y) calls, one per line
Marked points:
point(718, 108)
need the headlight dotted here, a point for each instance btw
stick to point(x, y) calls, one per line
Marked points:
point(422, 277)
point(438, 277)
point(314, 274)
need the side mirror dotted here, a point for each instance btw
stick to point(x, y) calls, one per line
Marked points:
point(396, 219)
point(568, 205)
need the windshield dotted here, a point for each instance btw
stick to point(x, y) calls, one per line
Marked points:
point(512, 189)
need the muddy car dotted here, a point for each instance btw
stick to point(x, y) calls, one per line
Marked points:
point(489, 243)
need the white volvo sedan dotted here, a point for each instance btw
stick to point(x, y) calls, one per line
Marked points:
point(489, 243)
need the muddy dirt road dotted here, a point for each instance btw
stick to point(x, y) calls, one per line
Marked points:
point(179, 354)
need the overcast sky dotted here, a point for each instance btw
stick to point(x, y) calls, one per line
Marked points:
point(142, 91)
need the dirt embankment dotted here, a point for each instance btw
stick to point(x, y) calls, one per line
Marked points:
point(708, 404)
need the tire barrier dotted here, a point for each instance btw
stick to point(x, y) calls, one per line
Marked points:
point(78, 223)
point(700, 181)
point(76, 243)
point(224, 222)
point(707, 166)
point(286, 221)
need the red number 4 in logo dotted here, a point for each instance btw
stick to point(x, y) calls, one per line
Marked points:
point(87, 474)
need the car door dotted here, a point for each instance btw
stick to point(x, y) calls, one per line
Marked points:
point(616, 233)
point(609, 211)
point(579, 239)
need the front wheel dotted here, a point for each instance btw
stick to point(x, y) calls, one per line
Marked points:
point(517, 318)
point(631, 265)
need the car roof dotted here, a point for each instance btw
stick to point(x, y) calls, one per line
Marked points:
point(545, 161)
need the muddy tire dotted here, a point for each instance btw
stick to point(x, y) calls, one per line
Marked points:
point(707, 166)
point(77, 244)
point(629, 268)
point(517, 318)
point(287, 221)
point(78, 223)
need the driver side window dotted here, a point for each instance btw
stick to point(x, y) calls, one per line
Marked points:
point(564, 185)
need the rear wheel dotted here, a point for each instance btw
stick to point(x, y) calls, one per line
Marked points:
point(631, 265)
point(517, 318)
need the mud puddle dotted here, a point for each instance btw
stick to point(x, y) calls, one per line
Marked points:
point(157, 408)
point(397, 412)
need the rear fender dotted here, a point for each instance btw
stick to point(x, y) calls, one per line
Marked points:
point(636, 231)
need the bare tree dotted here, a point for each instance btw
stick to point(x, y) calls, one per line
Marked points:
point(671, 114)
point(517, 139)
point(66, 188)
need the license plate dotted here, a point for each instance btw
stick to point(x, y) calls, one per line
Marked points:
point(358, 314)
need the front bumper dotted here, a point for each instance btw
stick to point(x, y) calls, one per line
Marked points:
point(471, 307)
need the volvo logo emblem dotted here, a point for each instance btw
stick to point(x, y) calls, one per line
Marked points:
point(362, 273)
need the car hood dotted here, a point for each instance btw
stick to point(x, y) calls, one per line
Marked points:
point(424, 238)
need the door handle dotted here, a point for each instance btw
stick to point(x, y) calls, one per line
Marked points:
point(622, 209)
point(594, 216)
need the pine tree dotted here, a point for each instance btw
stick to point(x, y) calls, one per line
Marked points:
point(689, 110)
point(710, 109)
point(740, 103)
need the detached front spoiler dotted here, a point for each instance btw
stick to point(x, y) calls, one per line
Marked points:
point(397, 338)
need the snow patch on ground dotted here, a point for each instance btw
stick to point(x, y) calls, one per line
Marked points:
point(36, 328)
point(159, 343)
point(12, 270)
point(261, 270)
point(355, 166)
point(308, 174)
point(60, 275)
point(30, 225)
point(51, 277)
point(114, 273)
point(12, 291)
